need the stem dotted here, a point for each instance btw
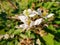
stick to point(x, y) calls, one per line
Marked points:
point(14, 6)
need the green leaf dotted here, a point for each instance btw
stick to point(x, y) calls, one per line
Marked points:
point(57, 22)
point(10, 43)
point(32, 36)
point(56, 43)
point(16, 42)
point(49, 39)
point(11, 31)
point(2, 31)
point(48, 5)
point(23, 36)
point(28, 33)
point(51, 27)
point(18, 31)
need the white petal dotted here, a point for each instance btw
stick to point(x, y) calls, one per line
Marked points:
point(23, 18)
point(24, 26)
point(12, 36)
point(32, 15)
point(48, 16)
point(21, 26)
point(6, 36)
point(32, 23)
point(38, 42)
point(24, 12)
point(38, 21)
point(1, 36)
point(29, 10)
point(34, 12)
point(39, 11)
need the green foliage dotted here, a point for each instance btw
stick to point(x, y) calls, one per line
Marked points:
point(49, 39)
point(8, 26)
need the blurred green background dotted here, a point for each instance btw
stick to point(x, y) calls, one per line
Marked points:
point(14, 7)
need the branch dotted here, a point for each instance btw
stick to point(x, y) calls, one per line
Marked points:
point(13, 18)
point(14, 6)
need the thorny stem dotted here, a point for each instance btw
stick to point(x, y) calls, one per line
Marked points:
point(14, 6)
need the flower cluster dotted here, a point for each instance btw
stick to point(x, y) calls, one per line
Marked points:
point(6, 36)
point(29, 15)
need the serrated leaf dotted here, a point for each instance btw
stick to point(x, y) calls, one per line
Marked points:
point(49, 39)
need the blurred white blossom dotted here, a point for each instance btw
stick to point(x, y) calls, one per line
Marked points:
point(38, 21)
point(50, 15)
point(23, 18)
point(24, 26)
point(39, 11)
point(12, 36)
point(28, 23)
point(1, 36)
point(30, 13)
point(6, 36)
point(38, 42)
point(33, 23)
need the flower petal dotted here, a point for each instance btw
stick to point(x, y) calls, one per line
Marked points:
point(32, 23)
point(24, 26)
point(48, 16)
point(39, 12)
point(32, 15)
point(23, 18)
point(38, 21)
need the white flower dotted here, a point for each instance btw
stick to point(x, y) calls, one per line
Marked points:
point(31, 13)
point(38, 42)
point(24, 12)
point(38, 21)
point(26, 26)
point(29, 10)
point(6, 36)
point(32, 23)
point(12, 36)
point(1, 36)
point(50, 15)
